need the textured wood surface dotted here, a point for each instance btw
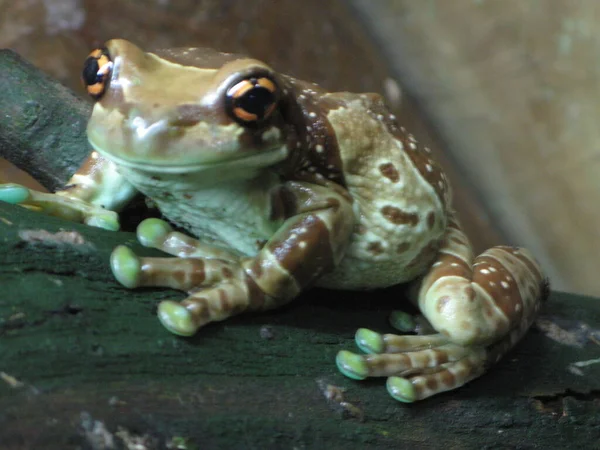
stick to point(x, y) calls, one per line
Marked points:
point(78, 348)
point(513, 89)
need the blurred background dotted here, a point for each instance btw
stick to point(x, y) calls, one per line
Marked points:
point(505, 93)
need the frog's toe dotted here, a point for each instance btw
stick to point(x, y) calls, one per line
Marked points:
point(369, 341)
point(401, 389)
point(13, 193)
point(176, 318)
point(108, 220)
point(352, 365)
point(152, 232)
point(126, 266)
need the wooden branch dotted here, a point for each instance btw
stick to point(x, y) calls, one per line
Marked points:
point(84, 362)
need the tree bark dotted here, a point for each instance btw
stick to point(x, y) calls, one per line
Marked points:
point(85, 364)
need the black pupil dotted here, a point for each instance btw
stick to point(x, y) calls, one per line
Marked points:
point(256, 101)
point(90, 71)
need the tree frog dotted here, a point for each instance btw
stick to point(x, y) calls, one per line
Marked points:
point(285, 186)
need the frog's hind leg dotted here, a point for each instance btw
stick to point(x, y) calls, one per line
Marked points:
point(480, 308)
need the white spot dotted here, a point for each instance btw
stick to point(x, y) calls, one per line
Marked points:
point(493, 269)
point(319, 148)
point(309, 128)
point(427, 149)
point(439, 263)
point(94, 155)
point(518, 307)
point(412, 145)
point(302, 97)
point(302, 230)
point(441, 184)
point(411, 138)
point(429, 167)
point(293, 236)
point(492, 284)
point(298, 144)
point(504, 284)
point(379, 117)
point(484, 271)
point(302, 245)
point(312, 115)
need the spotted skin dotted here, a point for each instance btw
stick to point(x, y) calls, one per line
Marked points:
point(286, 186)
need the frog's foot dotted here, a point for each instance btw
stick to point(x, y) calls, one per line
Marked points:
point(60, 205)
point(218, 289)
point(417, 367)
point(157, 233)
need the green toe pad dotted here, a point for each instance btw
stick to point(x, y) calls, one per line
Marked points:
point(402, 321)
point(125, 266)
point(152, 232)
point(108, 221)
point(352, 365)
point(13, 193)
point(176, 318)
point(401, 389)
point(369, 341)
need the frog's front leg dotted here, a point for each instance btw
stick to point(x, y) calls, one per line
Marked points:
point(310, 243)
point(92, 196)
point(480, 307)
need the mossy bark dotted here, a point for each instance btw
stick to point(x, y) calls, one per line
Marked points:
point(84, 362)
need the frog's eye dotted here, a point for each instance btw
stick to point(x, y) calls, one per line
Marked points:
point(252, 100)
point(96, 72)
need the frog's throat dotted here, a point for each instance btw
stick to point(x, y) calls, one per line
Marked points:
point(256, 160)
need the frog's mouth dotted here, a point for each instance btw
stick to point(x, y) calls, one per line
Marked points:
point(249, 161)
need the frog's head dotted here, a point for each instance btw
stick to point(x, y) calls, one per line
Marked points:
point(183, 110)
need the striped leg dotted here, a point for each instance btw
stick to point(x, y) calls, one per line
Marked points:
point(480, 307)
point(220, 283)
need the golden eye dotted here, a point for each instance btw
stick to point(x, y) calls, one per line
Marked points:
point(96, 72)
point(252, 100)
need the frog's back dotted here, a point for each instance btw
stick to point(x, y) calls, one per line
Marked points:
point(400, 195)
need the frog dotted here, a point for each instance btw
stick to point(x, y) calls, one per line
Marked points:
point(271, 185)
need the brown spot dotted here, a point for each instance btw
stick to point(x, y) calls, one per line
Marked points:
point(389, 171)
point(198, 306)
point(198, 276)
point(442, 302)
point(432, 384)
point(470, 293)
point(187, 196)
point(375, 247)
point(178, 276)
point(430, 219)
point(224, 303)
point(226, 272)
point(464, 325)
point(447, 379)
point(399, 217)
point(307, 262)
point(403, 247)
